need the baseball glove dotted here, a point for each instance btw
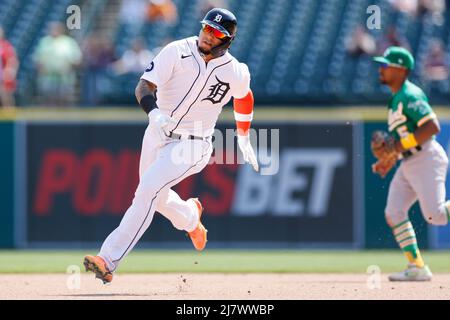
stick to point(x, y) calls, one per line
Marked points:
point(383, 149)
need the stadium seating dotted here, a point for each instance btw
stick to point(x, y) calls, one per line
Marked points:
point(295, 49)
point(25, 22)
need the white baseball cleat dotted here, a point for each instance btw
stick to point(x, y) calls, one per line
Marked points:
point(412, 273)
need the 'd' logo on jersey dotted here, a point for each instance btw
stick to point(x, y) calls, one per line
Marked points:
point(217, 91)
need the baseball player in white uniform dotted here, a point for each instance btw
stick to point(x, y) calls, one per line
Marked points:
point(183, 91)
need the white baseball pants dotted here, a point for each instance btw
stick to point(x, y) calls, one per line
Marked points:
point(420, 177)
point(163, 164)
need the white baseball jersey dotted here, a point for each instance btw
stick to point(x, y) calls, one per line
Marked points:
point(192, 91)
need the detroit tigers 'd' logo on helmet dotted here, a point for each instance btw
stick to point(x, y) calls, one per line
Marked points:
point(217, 91)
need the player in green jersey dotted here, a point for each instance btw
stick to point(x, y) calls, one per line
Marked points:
point(423, 169)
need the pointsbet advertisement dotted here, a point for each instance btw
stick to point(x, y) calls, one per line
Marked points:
point(82, 181)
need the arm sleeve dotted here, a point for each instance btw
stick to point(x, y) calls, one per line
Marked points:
point(243, 113)
point(161, 67)
point(419, 110)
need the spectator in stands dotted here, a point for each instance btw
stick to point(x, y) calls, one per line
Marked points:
point(392, 38)
point(134, 60)
point(436, 8)
point(435, 67)
point(56, 58)
point(98, 54)
point(9, 65)
point(133, 15)
point(419, 8)
point(409, 7)
point(162, 10)
point(360, 42)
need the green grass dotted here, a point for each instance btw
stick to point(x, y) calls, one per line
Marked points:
point(295, 261)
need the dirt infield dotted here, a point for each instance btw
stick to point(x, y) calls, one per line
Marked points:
point(175, 286)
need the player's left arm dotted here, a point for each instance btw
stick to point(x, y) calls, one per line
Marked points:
point(421, 135)
point(243, 114)
point(427, 126)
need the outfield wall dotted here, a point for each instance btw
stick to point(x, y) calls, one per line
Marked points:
point(68, 177)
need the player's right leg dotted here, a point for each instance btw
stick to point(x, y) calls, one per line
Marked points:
point(164, 173)
point(149, 151)
point(157, 175)
point(401, 196)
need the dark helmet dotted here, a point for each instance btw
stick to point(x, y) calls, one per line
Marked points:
point(226, 22)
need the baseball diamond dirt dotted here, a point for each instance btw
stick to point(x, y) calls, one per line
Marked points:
point(192, 286)
point(221, 275)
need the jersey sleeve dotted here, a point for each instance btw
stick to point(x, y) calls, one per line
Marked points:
point(419, 110)
point(243, 86)
point(161, 67)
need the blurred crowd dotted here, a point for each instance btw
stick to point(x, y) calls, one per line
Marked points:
point(70, 71)
point(434, 69)
point(62, 64)
point(9, 65)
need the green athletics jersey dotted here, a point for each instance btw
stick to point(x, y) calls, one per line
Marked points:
point(408, 110)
